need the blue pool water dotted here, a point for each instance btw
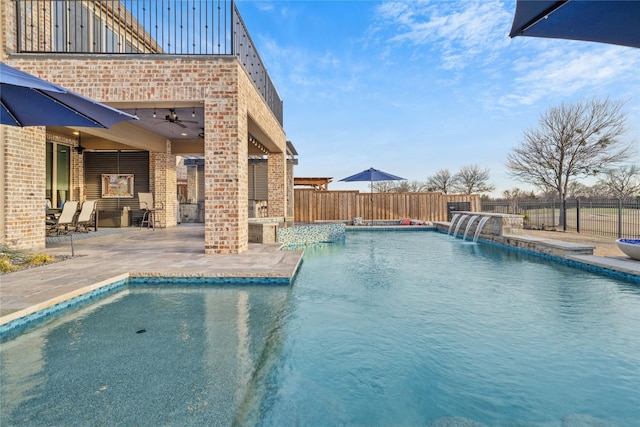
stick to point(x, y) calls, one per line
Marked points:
point(385, 329)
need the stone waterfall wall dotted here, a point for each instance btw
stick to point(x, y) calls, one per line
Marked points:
point(496, 225)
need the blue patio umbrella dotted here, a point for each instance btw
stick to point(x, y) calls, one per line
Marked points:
point(26, 100)
point(613, 22)
point(372, 175)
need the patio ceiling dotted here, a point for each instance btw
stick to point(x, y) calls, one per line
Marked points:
point(181, 123)
point(171, 123)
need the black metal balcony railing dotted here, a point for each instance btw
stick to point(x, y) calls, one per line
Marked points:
point(170, 27)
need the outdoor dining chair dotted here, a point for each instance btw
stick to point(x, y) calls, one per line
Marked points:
point(66, 219)
point(87, 216)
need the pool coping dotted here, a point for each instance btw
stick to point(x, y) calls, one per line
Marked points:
point(62, 298)
point(137, 278)
point(577, 253)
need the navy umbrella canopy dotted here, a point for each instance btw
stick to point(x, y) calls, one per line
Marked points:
point(371, 175)
point(26, 100)
point(613, 22)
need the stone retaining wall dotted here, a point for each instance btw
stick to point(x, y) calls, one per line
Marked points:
point(507, 229)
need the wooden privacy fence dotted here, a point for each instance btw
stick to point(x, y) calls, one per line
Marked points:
point(311, 205)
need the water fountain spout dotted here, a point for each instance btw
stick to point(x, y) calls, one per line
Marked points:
point(466, 231)
point(455, 233)
point(453, 220)
point(479, 229)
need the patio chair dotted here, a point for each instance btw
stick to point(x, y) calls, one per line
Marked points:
point(65, 220)
point(87, 216)
point(149, 208)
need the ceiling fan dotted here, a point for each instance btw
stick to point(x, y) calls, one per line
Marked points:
point(172, 117)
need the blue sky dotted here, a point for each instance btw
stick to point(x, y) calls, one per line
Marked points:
point(412, 87)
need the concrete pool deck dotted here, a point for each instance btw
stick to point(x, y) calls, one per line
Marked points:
point(178, 252)
point(606, 253)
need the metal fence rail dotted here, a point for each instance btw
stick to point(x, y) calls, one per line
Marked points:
point(616, 218)
point(169, 27)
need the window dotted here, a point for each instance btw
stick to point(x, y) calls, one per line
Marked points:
point(58, 173)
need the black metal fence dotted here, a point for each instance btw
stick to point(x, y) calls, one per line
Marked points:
point(616, 218)
point(169, 27)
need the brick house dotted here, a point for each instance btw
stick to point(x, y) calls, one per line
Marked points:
point(200, 90)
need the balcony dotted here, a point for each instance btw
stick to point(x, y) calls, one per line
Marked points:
point(167, 27)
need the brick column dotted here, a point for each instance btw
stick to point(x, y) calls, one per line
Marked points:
point(23, 181)
point(225, 179)
point(277, 194)
point(290, 193)
point(192, 184)
point(164, 185)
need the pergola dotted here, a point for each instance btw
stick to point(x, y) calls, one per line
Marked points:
point(318, 184)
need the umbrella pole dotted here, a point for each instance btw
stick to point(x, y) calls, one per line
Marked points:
point(371, 203)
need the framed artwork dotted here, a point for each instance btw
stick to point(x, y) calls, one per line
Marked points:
point(117, 185)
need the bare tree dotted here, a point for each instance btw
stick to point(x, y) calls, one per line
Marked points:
point(471, 179)
point(410, 186)
point(576, 190)
point(513, 194)
point(548, 193)
point(442, 181)
point(403, 186)
point(598, 190)
point(573, 140)
point(417, 186)
point(622, 182)
point(384, 186)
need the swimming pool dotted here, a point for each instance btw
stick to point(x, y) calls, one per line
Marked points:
point(385, 329)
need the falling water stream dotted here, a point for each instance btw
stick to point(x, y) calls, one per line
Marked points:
point(453, 220)
point(483, 221)
point(455, 233)
point(469, 224)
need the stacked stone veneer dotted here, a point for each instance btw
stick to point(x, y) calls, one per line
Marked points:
point(497, 225)
point(507, 229)
point(232, 105)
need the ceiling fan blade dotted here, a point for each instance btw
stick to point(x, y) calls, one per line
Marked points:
point(180, 124)
point(189, 121)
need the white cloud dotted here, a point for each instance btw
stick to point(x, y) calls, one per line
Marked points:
point(461, 32)
point(565, 71)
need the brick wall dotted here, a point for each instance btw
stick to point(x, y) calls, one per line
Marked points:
point(164, 184)
point(290, 193)
point(277, 177)
point(24, 158)
point(230, 102)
